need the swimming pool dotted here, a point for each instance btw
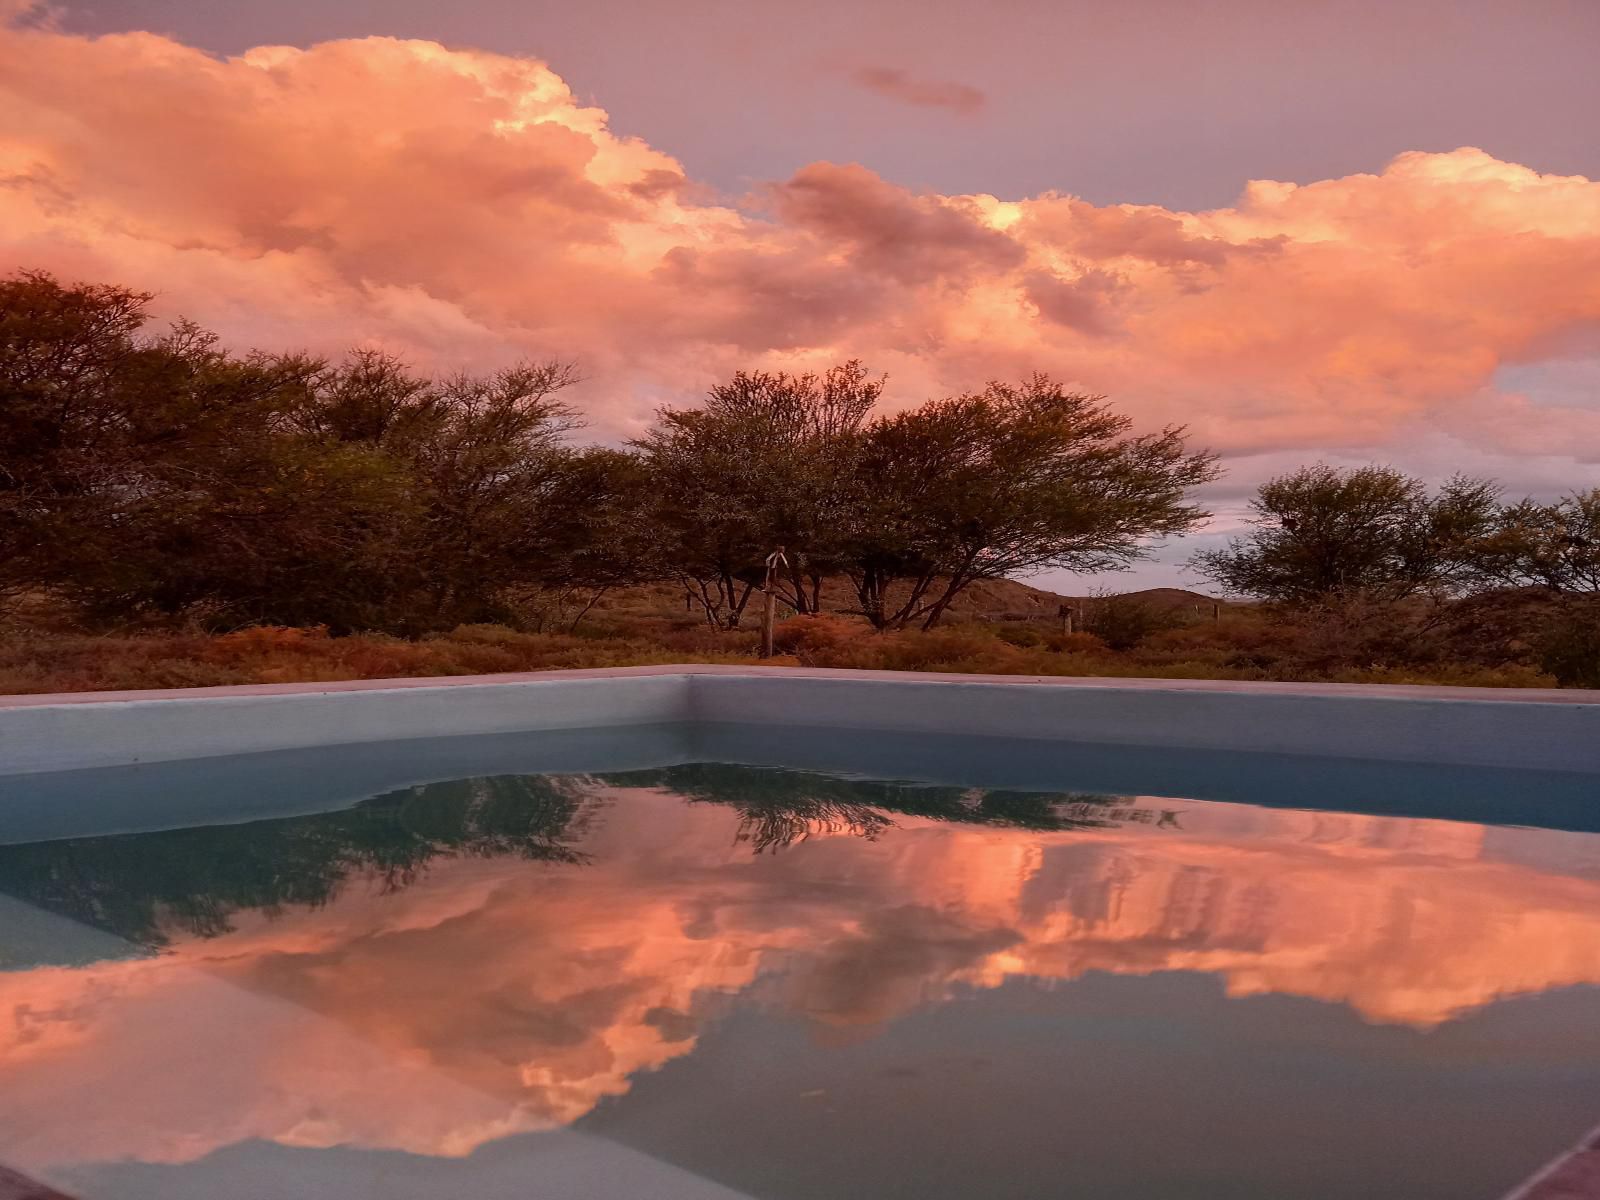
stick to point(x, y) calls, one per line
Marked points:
point(731, 960)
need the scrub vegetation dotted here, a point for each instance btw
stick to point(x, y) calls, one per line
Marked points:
point(173, 514)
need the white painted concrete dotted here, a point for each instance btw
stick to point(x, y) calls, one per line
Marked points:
point(63, 733)
point(1550, 730)
point(1455, 726)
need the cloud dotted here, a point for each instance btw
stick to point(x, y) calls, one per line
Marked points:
point(895, 84)
point(885, 231)
point(34, 12)
point(465, 209)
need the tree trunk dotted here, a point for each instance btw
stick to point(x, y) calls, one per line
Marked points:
point(912, 609)
point(736, 612)
point(937, 611)
point(869, 591)
point(798, 581)
point(584, 611)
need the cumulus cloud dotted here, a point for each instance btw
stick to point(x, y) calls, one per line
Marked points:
point(465, 209)
point(895, 84)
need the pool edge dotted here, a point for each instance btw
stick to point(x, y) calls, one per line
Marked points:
point(1557, 730)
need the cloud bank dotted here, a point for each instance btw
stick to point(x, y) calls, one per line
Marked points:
point(464, 208)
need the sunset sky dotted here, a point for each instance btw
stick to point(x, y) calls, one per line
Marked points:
point(1347, 231)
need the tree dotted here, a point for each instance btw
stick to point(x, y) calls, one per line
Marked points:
point(1007, 481)
point(113, 444)
point(598, 536)
point(767, 463)
point(1321, 534)
point(67, 355)
point(1553, 546)
point(488, 505)
point(164, 476)
point(489, 472)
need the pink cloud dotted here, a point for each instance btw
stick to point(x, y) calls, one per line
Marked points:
point(895, 84)
point(465, 209)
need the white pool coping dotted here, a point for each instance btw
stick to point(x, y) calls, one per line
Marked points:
point(1520, 728)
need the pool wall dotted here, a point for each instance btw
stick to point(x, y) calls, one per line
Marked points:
point(1552, 730)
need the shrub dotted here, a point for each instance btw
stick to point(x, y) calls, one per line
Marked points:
point(1123, 622)
point(261, 641)
point(811, 639)
point(1351, 633)
point(1023, 636)
point(1569, 648)
point(967, 651)
point(1076, 642)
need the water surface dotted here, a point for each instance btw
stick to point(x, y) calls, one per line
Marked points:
point(715, 980)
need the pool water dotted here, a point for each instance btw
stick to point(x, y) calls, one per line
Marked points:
point(714, 979)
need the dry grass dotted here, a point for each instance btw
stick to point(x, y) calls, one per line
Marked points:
point(1244, 647)
point(80, 662)
point(1241, 646)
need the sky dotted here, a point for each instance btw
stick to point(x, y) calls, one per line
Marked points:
point(1345, 231)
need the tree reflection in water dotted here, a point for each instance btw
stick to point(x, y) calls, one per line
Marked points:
point(778, 808)
point(148, 887)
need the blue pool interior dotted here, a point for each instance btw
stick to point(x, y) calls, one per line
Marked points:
point(719, 961)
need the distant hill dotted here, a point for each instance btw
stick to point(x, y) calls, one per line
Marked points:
point(1010, 600)
point(986, 600)
point(1168, 597)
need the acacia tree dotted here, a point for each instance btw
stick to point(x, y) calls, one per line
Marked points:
point(491, 489)
point(1007, 481)
point(1321, 534)
point(599, 535)
point(163, 475)
point(1552, 546)
point(116, 448)
point(491, 474)
point(768, 462)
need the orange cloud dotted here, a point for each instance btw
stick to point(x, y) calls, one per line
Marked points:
point(465, 208)
point(353, 1040)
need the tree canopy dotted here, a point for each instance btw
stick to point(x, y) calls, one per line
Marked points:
point(769, 461)
point(1554, 546)
point(151, 476)
point(1008, 481)
point(912, 507)
point(1321, 533)
point(162, 475)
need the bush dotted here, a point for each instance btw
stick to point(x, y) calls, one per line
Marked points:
point(1569, 648)
point(1023, 636)
point(1359, 644)
point(1075, 643)
point(811, 639)
point(1123, 622)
